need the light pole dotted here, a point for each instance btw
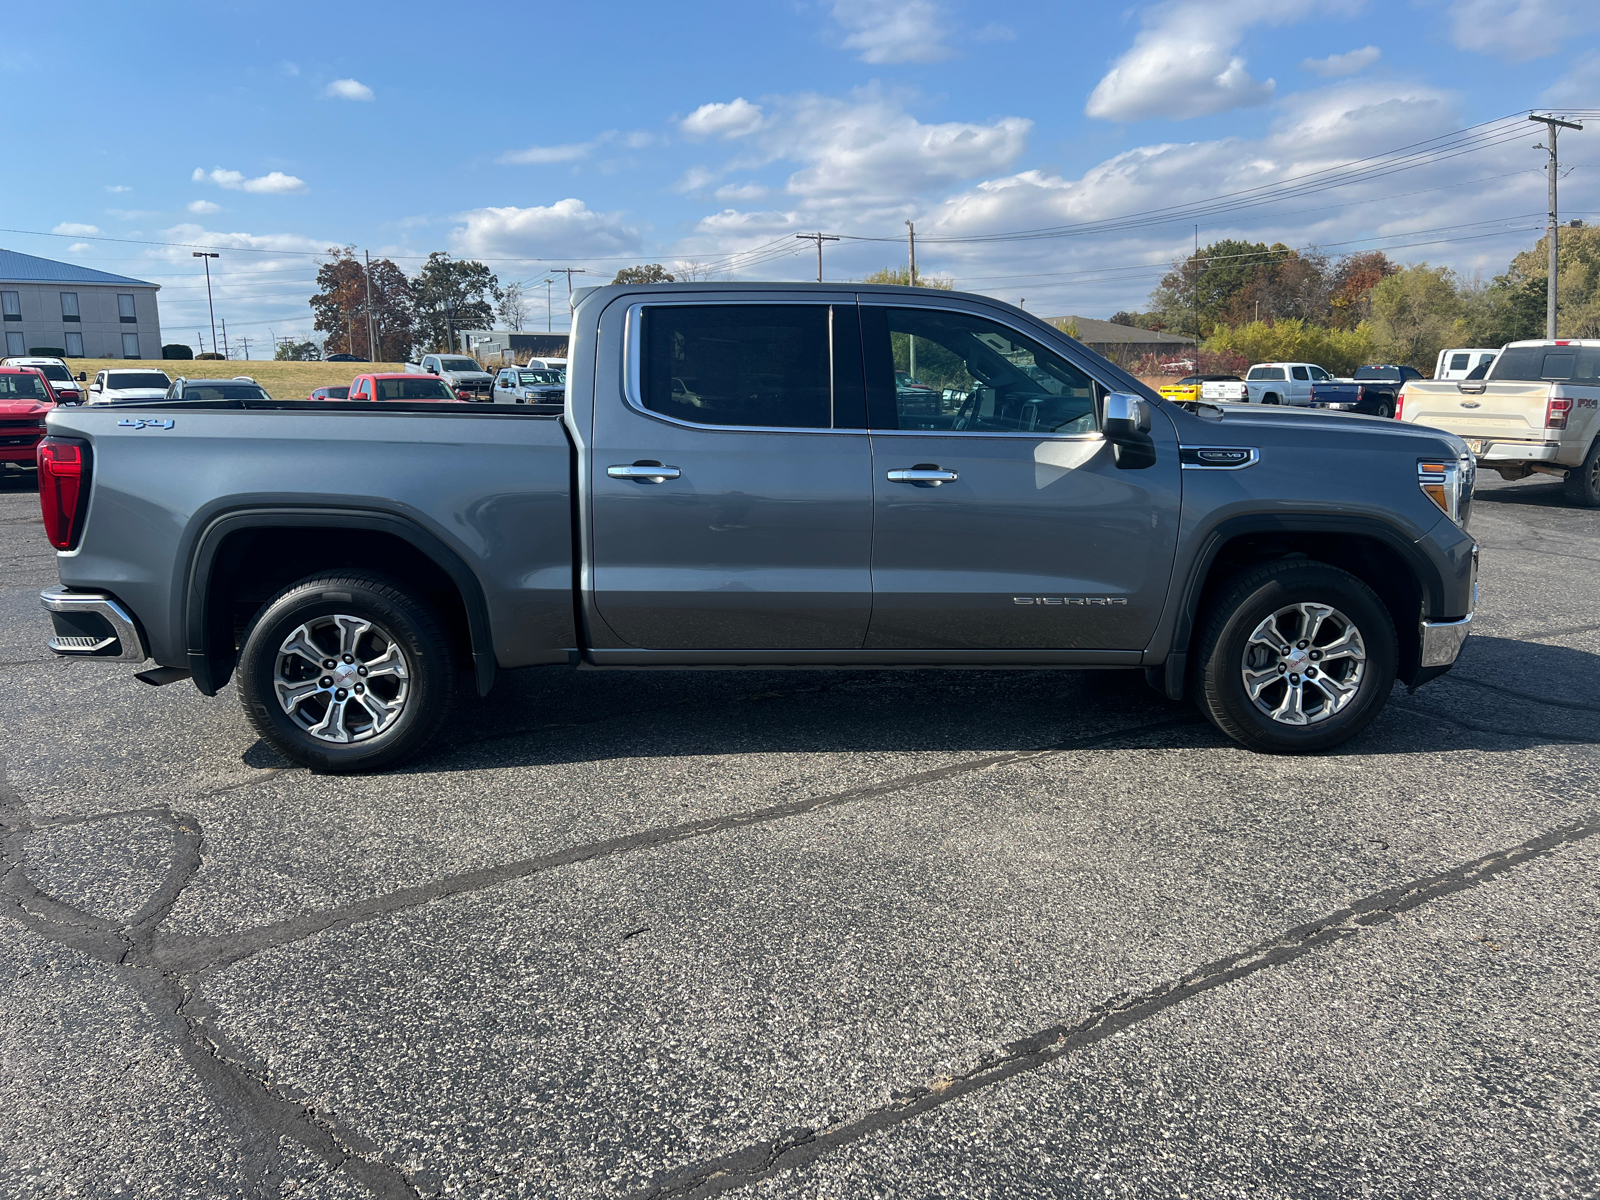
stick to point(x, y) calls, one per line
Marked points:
point(1553, 124)
point(206, 256)
point(548, 320)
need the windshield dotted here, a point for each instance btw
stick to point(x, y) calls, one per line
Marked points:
point(1580, 364)
point(54, 372)
point(414, 389)
point(22, 387)
point(224, 391)
point(546, 378)
point(137, 379)
point(1267, 373)
point(458, 364)
point(1378, 374)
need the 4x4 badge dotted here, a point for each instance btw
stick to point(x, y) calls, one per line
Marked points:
point(147, 422)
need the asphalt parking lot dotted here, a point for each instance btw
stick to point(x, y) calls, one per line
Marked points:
point(670, 934)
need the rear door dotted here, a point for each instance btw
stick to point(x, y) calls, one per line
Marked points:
point(730, 478)
point(1001, 519)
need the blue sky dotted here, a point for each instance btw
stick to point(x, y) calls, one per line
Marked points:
point(599, 135)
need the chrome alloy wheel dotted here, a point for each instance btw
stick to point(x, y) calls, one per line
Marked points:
point(1304, 663)
point(341, 678)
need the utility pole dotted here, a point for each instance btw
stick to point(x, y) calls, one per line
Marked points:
point(372, 338)
point(913, 236)
point(226, 354)
point(818, 238)
point(206, 256)
point(1554, 124)
point(570, 272)
point(200, 337)
point(549, 279)
point(246, 349)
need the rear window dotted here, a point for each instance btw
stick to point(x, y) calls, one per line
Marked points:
point(1458, 362)
point(22, 387)
point(1268, 374)
point(1379, 374)
point(414, 389)
point(459, 364)
point(224, 391)
point(336, 393)
point(138, 379)
point(1579, 364)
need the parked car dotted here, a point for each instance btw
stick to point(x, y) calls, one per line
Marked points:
point(1189, 389)
point(330, 393)
point(1283, 383)
point(790, 517)
point(114, 385)
point(62, 381)
point(466, 378)
point(921, 406)
point(343, 358)
point(26, 398)
point(547, 364)
point(523, 385)
point(1373, 391)
point(1537, 413)
point(1461, 363)
point(240, 387)
point(400, 387)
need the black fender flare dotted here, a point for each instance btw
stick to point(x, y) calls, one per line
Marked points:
point(197, 583)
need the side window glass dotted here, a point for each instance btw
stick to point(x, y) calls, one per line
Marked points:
point(942, 369)
point(755, 365)
point(1318, 375)
point(1299, 372)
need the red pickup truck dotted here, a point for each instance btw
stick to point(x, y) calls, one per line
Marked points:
point(25, 398)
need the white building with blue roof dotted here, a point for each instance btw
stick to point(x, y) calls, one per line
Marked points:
point(63, 309)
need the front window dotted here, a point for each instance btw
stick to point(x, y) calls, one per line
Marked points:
point(69, 306)
point(125, 311)
point(414, 389)
point(761, 365)
point(972, 375)
point(119, 381)
point(130, 345)
point(22, 387)
point(74, 345)
point(54, 372)
point(1318, 375)
point(1266, 374)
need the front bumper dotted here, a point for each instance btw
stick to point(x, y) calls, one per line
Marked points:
point(1442, 641)
point(92, 625)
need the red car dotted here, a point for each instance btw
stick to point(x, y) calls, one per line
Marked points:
point(401, 387)
point(25, 398)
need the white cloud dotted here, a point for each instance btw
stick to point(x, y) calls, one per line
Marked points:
point(76, 229)
point(565, 229)
point(694, 179)
point(741, 191)
point(1337, 65)
point(203, 208)
point(79, 247)
point(737, 118)
point(274, 183)
point(116, 189)
point(348, 89)
point(547, 154)
point(1575, 89)
point(641, 139)
point(1519, 30)
point(893, 31)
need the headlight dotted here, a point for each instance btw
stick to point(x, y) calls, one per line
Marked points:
point(1449, 485)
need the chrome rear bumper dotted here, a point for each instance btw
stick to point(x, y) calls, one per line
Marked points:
point(92, 625)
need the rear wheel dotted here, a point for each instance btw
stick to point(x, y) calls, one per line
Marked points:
point(1296, 656)
point(1271, 398)
point(345, 673)
point(1583, 483)
point(1385, 409)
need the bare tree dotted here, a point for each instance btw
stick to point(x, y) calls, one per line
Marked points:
point(511, 309)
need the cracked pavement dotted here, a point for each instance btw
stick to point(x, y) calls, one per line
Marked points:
point(813, 933)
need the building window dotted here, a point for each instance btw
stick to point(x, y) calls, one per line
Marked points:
point(125, 311)
point(74, 345)
point(11, 305)
point(15, 345)
point(69, 306)
point(130, 344)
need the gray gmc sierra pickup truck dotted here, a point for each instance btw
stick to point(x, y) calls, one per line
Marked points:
point(735, 479)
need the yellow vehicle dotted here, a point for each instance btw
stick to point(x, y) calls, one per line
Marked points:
point(1187, 389)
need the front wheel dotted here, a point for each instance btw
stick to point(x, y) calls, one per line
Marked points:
point(1296, 656)
point(1582, 486)
point(345, 673)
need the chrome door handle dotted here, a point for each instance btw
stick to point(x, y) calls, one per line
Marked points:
point(923, 475)
point(644, 472)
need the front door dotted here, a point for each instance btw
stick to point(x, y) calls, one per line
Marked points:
point(1001, 518)
point(731, 491)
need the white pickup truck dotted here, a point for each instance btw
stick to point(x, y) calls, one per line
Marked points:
point(466, 378)
point(1283, 383)
point(1537, 412)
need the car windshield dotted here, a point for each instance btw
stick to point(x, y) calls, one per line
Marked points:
point(1267, 373)
point(1580, 364)
point(224, 391)
point(335, 393)
point(54, 372)
point(1377, 374)
point(22, 387)
point(414, 389)
point(458, 364)
point(118, 380)
point(547, 378)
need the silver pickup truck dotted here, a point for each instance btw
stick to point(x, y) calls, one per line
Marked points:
point(735, 480)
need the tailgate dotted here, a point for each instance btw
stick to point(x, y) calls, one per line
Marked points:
point(1511, 410)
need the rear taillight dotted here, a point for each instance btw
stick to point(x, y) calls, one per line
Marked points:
point(63, 489)
point(1399, 404)
point(1555, 413)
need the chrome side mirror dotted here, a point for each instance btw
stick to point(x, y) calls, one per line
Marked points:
point(1127, 428)
point(1128, 410)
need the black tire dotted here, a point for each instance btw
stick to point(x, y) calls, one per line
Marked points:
point(401, 666)
point(1271, 398)
point(1226, 651)
point(1386, 409)
point(1582, 486)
